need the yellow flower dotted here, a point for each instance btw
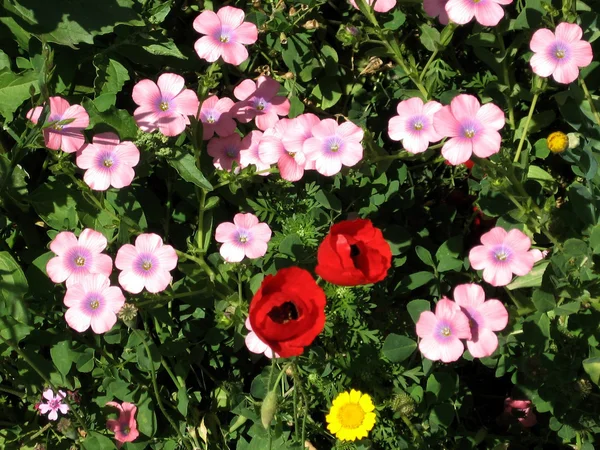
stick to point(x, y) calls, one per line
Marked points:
point(351, 416)
point(557, 142)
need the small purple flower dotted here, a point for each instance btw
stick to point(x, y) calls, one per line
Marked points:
point(54, 404)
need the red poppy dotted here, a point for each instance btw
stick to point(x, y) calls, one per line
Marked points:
point(354, 253)
point(288, 311)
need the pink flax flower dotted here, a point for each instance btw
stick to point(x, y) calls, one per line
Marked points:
point(259, 101)
point(225, 151)
point(273, 150)
point(503, 254)
point(298, 133)
point(77, 258)
point(216, 118)
point(254, 343)
point(164, 105)
point(523, 409)
point(334, 145)
point(436, 8)
point(55, 404)
point(560, 54)
point(93, 301)
point(472, 128)
point(486, 12)
point(226, 34)
point(249, 153)
point(382, 6)
point(244, 237)
point(67, 136)
point(414, 124)
point(485, 317)
point(125, 427)
point(146, 265)
point(108, 162)
point(441, 333)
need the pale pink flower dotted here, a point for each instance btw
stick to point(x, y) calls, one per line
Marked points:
point(255, 345)
point(226, 34)
point(164, 105)
point(472, 128)
point(560, 54)
point(538, 255)
point(77, 258)
point(272, 150)
point(125, 427)
point(93, 301)
point(334, 145)
point(146, 265)
point(298, 133)
point(108, 162)
point(414, 124)
point(249, 153)
point(259, 101)
point(436, 8)
point(55, 404)
point(244, 237)
point(526, 416)
point(502, 254)
point(485, 317)
point(486, 12)
point(379, 6)
point(225, 151)
point(441, 333)
point(66, 136)
point(216, 117)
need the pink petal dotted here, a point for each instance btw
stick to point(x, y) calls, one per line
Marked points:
point(566, 72)
point(328, 165)
point(86, 157)
point(486, 143)
point(48, 395)
point(58, 106)
point(234, 53)
point(521, 263)
point(431, 107)
point(430, 348)
point(34, 114)
point(246, 33)
point(568, 32)
point(254, 344)
point(457, 150)
point(93, 240)
point(103, 322)
point(350, 132)
point(226, 232)
point(270, 149)
point(268, 88)
point(451, 350)
point(231, 252)
point(77, 112)
point(446, 309)
point(131, 282)
point(230, 16)
point(261, 231)
point(77, 319)
point(52, 139)
point(105, 141)
point(96, 179)
point(397, 128)
point(464, 107)
point(266, 120)
point(245, 221)
point(445, 123)
point(289, 168)
point(415, 142)
point(170, 85)
point(207, 23)
point(225, 126)
point(351, 154)
point(494, 314)
point(460, 11)
point(488, 13)
point(146, 117)
point(581, 52)
point(159, 281)
point(486, 344)
point(469, 295)
point(187, 103)
point(255, 249)
point(148, 242)
point(224, 105)
point(384, 6)
point(128, 153)
point(72, 141)
point(325, 129)
point(411, 107)
point(53, 415)
point(114, 298)
point(280, 106)
point(492, 116)
point(102, 265)
point(495, 236)
point(167, 256)
point(245, 89)
point(57, 270)
point(63, 408)
point(74, 294)
point(542, 64)
point(479, 257)
point(208, 48)
point(541, 40)
point(517, 241)
point(172, 125)
point(497, 275)
point(63, 242)
point(126, 256)
point(146, 92)
point(426, 325)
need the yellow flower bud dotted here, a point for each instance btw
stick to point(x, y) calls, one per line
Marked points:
point(557, 142)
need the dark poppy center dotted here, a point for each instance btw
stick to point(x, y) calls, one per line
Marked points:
point(284, 313)
point(354, 251)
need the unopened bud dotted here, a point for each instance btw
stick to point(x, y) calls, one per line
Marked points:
point(557, 142)
point(128, 314)
point(311, 25)
point(403, 404)
point(574, 140)
point(292, 12)
point(288, 76)
point(268, 408)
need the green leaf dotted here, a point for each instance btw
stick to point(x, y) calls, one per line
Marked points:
point(118, 119)
point(182, 401)
point(146, 417)
point(111, 75)
point(430, 37)
point(97, 441)
point(414, 281)
point(14, 90)
point(398, 19)
point(185, 165)
point(328, 201)
point(55, 203)
point(532, 279)
point(425, 256)
point(592, 368)
point(85, 362)
point(327, 92)
point(543, 301)
point(539, 174)
point(416, 307)
point(13, 287)
point(442, 384)
point(63, 356)
point(397, 348)
point(595, 239)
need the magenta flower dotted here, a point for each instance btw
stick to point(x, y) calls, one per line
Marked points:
point(501, 255)
point(125, 427)
point(560, 54)
point(380, 5)
point(147, 265)
point(66, 136)
point(485, 317)
point(524, 408)
point(436, 8)
point(164, 105)
point(414, 124)
point(441, 333)
point(298, 133)
point(272, 150)
point(77, 258)
point(472, 128)
point(108, 162)
point(254, 343)
point(226, 34)
point(225, 151)
point(93, 301)
point(216, 118)
point(249, 152)
point(334, 145)
point(244, 237)
point(259, 101)
point(54, 404)
point(486, 12)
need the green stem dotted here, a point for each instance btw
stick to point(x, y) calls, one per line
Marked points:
point(506, 76)
point(200, 232)
point(416, 435)
point(12, 391)
point(429, 61)
point(526, 127)
point(168, 297)
point(200, 261)
point(588, 96)
point(299, 385)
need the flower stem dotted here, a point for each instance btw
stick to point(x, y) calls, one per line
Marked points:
point(416, 435)
point(526, 126)
point(506, 76)
point(429, 61)
point(589, 98)
point(298, 383)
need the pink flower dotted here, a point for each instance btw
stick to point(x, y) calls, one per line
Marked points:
point(249, 152)
point(485, 317)
point(472, 128)
point(487, 12)
point(93, 301)
point(334, 145)
point(225, 32)
point(254, 344)
point(436, 8)
point(380, 5)
point(298, 133)
point(164, 105)
point(244, 237)
point(77, 258)
point(501, 255)
point(259, 101)
point(108, 161)
point(414, 124)
point(215, 117)
point(560, 54)
point(538, 255)
point(225, 151)
point(125, 427)
point(147, 265)
point(526, 417)
point(272, 150)
point(54, 404)
point(66, 136)
point(441, 333)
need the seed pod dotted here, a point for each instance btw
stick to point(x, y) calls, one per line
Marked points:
point(268, 408)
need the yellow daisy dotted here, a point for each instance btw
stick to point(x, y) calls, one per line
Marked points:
point(351, 416)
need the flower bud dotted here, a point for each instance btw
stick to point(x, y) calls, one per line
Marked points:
point(348, 35)
point(574, 140)
point(403, 404)
point(268, 408)
point(557, 142)
point(311, 25)
point(128, 314)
